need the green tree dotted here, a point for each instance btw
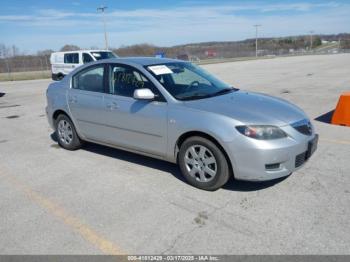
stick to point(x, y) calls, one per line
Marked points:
point(317, 41)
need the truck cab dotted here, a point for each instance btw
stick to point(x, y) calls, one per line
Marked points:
point(62, 63)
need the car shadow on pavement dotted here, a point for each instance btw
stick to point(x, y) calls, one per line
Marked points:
point(232, 184)
point(245, 186)
point(135, 159)
point(130, 157)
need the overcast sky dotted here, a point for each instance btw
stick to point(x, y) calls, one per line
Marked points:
point(36, 25)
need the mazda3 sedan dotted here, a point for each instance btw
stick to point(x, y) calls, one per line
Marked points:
point(175, 111)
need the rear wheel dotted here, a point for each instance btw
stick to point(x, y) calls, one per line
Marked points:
point(57, 77)
point(203, 164)
point(66, 134)
point(60, 77)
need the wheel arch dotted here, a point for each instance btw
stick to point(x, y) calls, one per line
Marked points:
point(189, 134)
point(59, 112)
point(63, 112)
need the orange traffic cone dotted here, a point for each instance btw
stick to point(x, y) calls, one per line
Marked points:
point(341, 115)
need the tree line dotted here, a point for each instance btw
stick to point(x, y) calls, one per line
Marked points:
point(13, 60)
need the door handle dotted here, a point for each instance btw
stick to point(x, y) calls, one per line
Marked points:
point(112, 105)
point(73, 99)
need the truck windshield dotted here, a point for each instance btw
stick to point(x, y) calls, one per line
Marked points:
point(103, 55)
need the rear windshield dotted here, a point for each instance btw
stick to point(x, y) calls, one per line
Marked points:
point(103, 55)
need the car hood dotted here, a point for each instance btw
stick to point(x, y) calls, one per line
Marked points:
point(250, 108)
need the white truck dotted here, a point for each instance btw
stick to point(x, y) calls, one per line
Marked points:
point(62, 63)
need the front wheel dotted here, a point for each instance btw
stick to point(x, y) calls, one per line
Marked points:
point(66, 133)
point(203, 164)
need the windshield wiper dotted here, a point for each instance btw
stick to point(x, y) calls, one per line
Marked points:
point(195, 96)
point(201, 95)
point(223, 91)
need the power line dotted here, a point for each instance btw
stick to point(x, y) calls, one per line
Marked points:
point(102, 9)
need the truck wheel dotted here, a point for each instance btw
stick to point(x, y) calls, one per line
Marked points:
point(60, 77)
point(57, 77)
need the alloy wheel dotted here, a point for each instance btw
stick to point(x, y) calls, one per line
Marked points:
point(65, 132)
point(200, 163)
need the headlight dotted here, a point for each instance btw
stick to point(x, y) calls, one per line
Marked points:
point(262, 132)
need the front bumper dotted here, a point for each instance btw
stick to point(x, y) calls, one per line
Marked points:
point(257, 160)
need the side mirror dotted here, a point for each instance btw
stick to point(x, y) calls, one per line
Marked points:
point(144, 94)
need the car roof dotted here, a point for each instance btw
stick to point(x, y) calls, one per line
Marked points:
point(144, 61)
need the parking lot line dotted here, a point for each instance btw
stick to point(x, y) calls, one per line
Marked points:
point(336, 141)
point(90, 235)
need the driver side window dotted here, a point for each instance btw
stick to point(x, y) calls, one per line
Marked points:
point(124, 80)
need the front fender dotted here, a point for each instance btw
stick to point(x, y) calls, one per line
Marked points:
point(185, 120)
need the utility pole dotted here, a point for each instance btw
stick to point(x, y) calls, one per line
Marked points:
point(256, 40)
point(102, 10)
point(311, 40)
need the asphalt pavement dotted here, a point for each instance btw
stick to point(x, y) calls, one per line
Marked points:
point(99, 200)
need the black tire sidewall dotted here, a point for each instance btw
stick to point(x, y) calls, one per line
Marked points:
point(76, 142)
point(59, 77)
point(223, 172)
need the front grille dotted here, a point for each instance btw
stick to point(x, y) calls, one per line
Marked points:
point(300, 159)
point(304, 126)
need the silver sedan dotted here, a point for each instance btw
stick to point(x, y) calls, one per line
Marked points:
point(175, 111)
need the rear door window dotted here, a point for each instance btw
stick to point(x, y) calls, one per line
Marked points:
point(91, 79)
point(72, 58)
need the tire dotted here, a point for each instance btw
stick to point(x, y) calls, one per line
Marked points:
point(60, 77)
point(67, 136)
point(203, 164)
point(57, 77)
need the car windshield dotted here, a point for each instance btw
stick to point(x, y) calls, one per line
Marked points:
point(186, 81)
point(103, 55)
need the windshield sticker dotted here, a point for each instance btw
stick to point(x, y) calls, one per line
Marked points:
point(160, 69)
